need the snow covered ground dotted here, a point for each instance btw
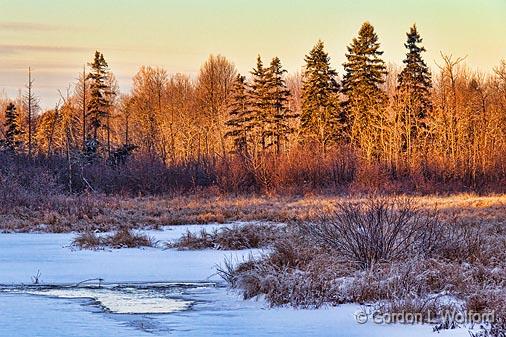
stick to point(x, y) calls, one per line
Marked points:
point(150, 292)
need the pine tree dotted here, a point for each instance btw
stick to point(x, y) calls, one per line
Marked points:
point(279, 115)
point(98, 106)
point(240, 116)
point(365, 100)
point(413, 89)
point(259, 102)
point(13, 131)
point(320, 113)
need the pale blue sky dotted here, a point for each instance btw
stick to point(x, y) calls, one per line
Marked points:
point(57, 37)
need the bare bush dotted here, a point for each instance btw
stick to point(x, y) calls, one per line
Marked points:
point(293, 273)
point(490, 300)
point(387, 253)
point(376, 231)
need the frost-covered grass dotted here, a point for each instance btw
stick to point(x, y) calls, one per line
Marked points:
point(392, 253)
point(236, 237)
point(459, 264)
point(215, 311)
point(123, 238)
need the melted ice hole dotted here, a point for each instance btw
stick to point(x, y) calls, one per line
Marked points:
point(122, 302)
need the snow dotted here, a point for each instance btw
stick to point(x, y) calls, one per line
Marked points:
point(151, 292)
point(22, 255)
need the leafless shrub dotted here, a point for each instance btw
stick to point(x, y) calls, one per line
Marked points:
point(490, 300)
point(384, 252)
point(228, 271)
point(378, 230)
point(457, 242)
point(293, 273)
point(498, 328)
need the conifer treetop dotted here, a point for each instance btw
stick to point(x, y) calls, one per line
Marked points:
point(13, 130)
point(364, 66)
point(320, 119)
point(416, 74)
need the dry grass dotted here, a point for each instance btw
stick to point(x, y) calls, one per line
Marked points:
point(390, 254)
point(235, 238)
point(87, 240)
point(470, 265)
point(104, 213)
point(123, 238)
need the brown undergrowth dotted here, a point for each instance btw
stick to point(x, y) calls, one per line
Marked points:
point(397, 254)
point(59, 213)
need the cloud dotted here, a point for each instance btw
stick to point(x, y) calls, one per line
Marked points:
point(9, 49)
point(29, 26)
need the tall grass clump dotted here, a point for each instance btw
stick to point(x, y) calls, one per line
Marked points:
point(383, 251)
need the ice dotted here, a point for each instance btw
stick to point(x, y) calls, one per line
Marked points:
point(121, 302)
point(151, 292)
point(23, 254)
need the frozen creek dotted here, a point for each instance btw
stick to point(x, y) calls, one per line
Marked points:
point(149, 292)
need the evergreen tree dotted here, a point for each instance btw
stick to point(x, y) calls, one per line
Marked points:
point(121, 155)
point(240, 115)
point(279, 114)
point(98, 107)
point(320, 117)
point(259, 102)
point(414, 84)
point(13, 131)
point(365, 100)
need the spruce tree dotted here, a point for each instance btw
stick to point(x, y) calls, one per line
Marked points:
point(279, 115)
point(414, 85)
point(365, 100)
point(240, 116)
point(259, 102)
point(320, 113)
point(98, 106)
point(13, 130)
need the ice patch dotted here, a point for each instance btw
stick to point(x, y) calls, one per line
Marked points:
point(122, 302)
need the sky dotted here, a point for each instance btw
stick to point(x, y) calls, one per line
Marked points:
point(56, 38)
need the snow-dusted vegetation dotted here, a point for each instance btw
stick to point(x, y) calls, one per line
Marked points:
point(386, 252)
point(331, 185)
point(119, 292)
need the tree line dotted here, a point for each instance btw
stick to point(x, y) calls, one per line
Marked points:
point(377, 124)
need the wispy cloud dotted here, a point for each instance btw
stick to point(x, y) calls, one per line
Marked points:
point(30, 26)
point(7, 49)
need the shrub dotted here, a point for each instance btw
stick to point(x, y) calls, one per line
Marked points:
point(376, 231)
point(383, 252)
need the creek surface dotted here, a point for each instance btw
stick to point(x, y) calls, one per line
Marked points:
point(149, 292)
